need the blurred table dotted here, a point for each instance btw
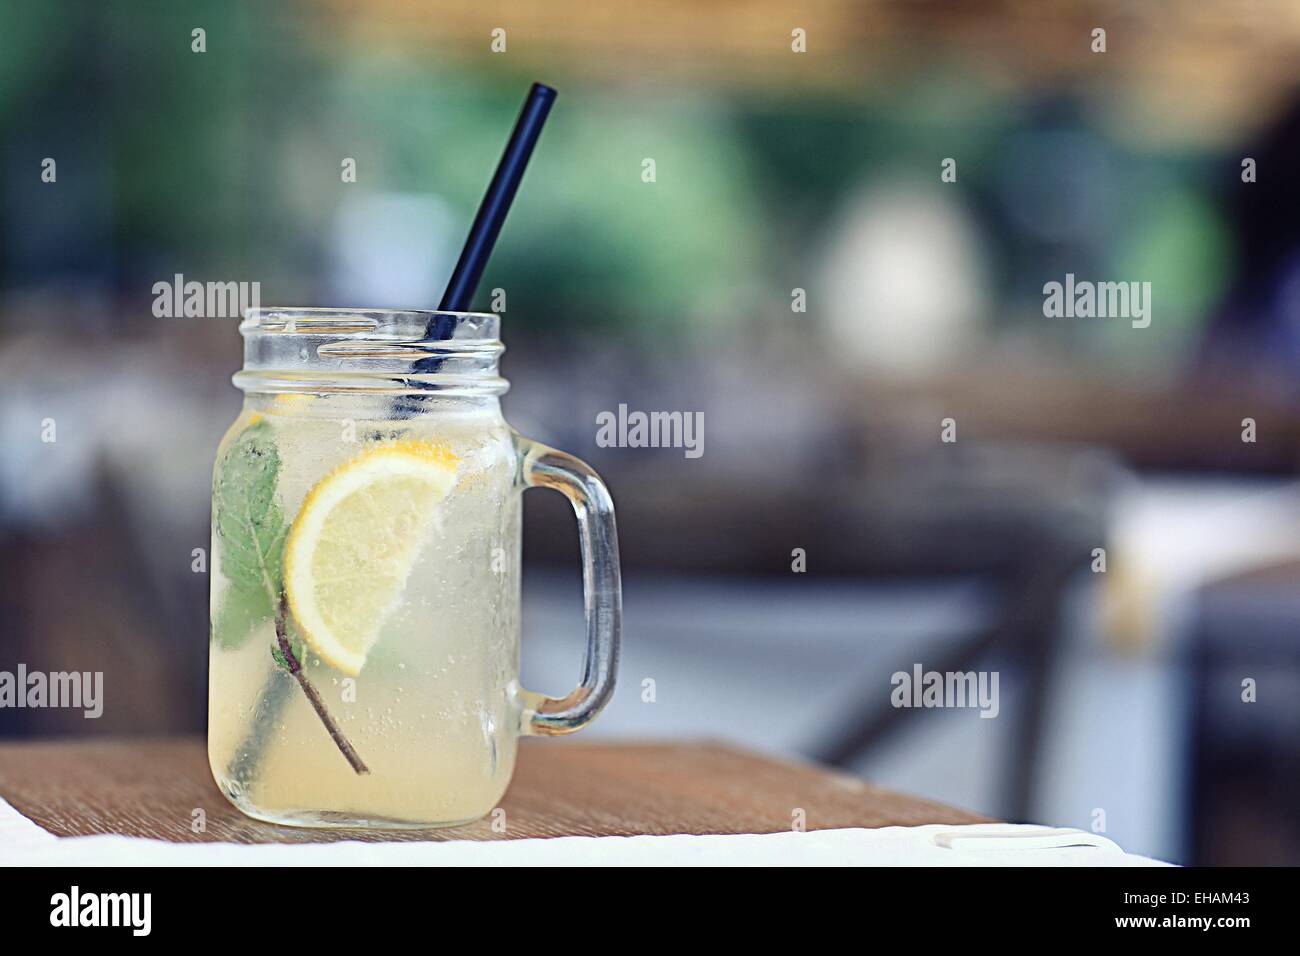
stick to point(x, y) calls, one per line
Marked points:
point(1243, 769)
point(150, 788)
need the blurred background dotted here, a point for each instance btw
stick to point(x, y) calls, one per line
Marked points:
point(799, 271)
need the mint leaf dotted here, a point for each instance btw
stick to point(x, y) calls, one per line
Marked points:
point(250, 529)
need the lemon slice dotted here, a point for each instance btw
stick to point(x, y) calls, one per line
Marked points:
point(354, 542)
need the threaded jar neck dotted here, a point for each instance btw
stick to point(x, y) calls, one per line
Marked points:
point(371, 350)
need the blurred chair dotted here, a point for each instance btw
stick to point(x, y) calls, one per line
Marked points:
point(1027, 518)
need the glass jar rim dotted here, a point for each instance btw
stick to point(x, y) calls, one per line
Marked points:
point(317, 320)
point(376, 350)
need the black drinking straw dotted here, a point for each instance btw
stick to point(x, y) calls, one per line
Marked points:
point(492, 210)
point(487, 222)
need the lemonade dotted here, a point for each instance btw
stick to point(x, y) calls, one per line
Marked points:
point(426, 712)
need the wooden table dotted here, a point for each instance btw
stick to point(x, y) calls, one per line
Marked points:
point(561, 788)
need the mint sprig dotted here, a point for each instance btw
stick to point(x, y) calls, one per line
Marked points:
point(251, 529)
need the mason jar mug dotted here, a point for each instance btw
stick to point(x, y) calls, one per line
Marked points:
point(364, 661)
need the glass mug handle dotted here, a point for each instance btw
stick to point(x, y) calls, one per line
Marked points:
point(602, 591)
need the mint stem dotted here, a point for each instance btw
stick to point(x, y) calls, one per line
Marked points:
point(313, 695)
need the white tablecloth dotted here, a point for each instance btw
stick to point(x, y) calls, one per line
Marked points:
point(23, 843)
